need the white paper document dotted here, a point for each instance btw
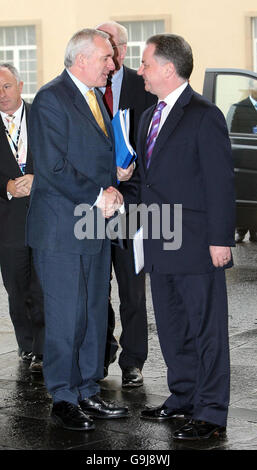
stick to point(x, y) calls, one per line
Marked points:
point(138, 250)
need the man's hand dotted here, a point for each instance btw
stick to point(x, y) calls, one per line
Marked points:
point(124, 174)
point(20, 187)
point(110, 202)
point(24, 182)
point(220, 255)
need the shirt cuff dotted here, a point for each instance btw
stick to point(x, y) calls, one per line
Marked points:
point(122, 208)
point(98, 198)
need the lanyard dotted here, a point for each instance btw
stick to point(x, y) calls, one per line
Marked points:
point(16, 144)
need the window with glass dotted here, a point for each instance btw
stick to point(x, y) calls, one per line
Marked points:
point(236, 96)
point(138, 33)
point(18, 47)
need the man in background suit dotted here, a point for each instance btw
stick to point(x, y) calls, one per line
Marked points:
point(243, 117)
point(75, 171)
point(127, 92)
point(185, 158)
point(16, 176)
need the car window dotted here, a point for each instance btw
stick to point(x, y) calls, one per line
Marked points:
point(236, 96)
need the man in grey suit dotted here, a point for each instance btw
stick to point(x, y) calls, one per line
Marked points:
point(72, 141)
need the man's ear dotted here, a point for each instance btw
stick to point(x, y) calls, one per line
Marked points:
point(169, 69)
point(81, 60)
point(123, 51)
point(20, 86)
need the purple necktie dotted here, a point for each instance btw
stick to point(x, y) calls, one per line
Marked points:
point(152, 136)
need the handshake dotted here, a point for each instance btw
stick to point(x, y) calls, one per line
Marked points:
point(110, 201)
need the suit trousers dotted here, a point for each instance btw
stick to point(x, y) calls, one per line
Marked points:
point(131, 287)
point(192, 322)
point(25, 297)
point(75, 291)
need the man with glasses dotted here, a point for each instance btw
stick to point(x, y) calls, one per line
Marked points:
point(127, 91)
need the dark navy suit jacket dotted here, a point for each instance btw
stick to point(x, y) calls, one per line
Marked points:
point(73, 160)
point(244, 117)
point(191, 165)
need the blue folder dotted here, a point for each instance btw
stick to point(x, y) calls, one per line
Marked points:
point(125, 154)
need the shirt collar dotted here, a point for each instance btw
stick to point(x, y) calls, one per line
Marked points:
point(254, 102)
point(118, 75)
point(17, 114)
point(81, 86)
point(175, 94)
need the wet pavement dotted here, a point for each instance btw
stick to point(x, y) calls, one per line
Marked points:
point(25, 405)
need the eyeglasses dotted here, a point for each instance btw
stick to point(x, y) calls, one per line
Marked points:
point(118, 45)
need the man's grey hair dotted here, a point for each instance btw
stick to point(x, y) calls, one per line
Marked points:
point(81, 43)
point(121, 31)
point(12, 69)
point(173, 48)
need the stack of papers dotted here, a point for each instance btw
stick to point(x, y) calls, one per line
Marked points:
point(138, 248)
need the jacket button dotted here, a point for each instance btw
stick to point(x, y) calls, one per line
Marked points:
point(148, 185)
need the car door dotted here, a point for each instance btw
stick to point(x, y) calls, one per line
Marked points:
point(234, 91)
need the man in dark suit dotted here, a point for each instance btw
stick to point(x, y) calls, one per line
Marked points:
point(243, 115)
point(75, 172)
point(185, 159)
point(127, 92)
point(16, 176)
point(243, 118)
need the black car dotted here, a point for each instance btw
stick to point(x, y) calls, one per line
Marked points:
point(234, 91)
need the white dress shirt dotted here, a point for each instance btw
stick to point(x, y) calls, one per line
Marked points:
point(23, 134)
point(17, 114)
point(170, 100)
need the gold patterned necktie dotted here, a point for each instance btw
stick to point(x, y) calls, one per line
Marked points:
point(12, 133)
point(94, 106)
point(11, 125)
point(16, 143)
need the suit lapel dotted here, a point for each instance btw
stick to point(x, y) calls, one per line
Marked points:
point(171, 122)
point(29, 162)
point(104, 112)
point(125, 90)
point(167, 129)
point(81, 105)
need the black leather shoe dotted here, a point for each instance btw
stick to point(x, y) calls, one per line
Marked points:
point(198, 430)
point(161, 413)
point(97, 408)
point(26, 356)
point(36, 365)
point(70, 416)
point(132, 377)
